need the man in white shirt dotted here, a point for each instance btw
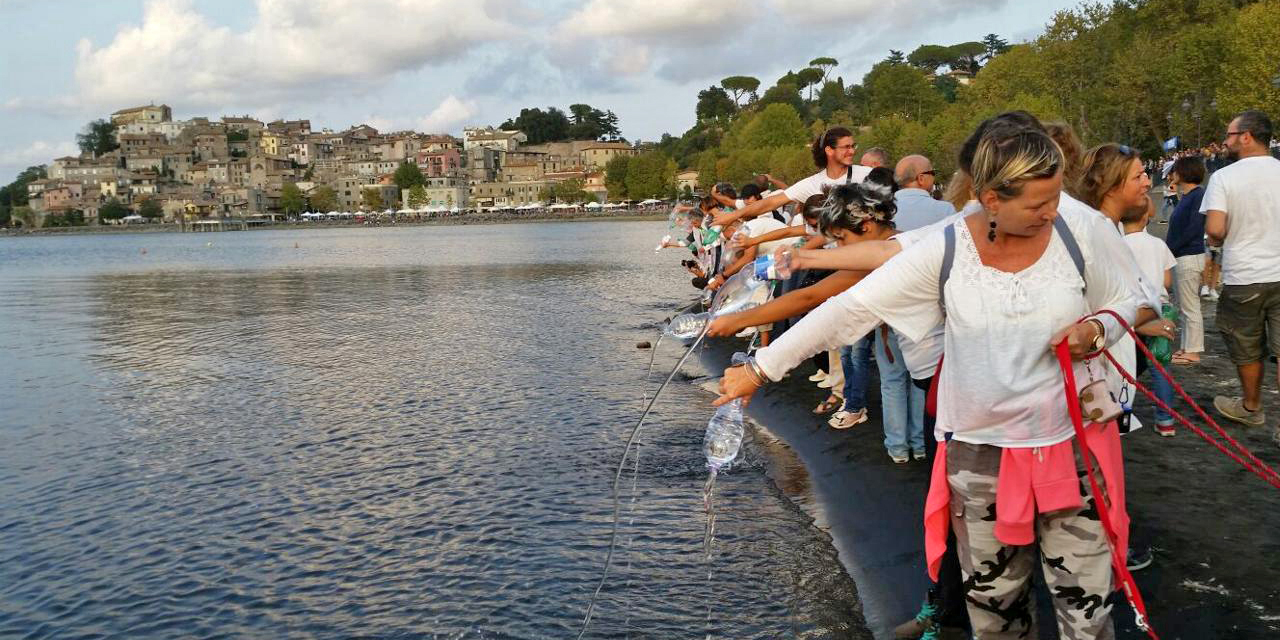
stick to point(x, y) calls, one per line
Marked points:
point(916, 206)
point(832, 154)
point(1242, 214)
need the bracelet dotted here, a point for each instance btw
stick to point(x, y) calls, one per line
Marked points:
point(754, 367)
point(1100, 342)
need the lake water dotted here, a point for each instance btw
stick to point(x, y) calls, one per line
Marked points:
point(377, 433)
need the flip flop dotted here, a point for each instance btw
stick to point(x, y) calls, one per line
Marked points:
point(1183, 360)
point(827, 406)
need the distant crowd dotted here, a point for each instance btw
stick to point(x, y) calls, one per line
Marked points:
point(1034, 259)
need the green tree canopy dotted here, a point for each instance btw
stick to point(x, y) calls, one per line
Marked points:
point(112, 210)
point(324, 198)
point(565, 191)
point(417, 197)
point(14, 194)
point(825, 65)
point(97, 137)
point(372, 198)
point(541, 126)
point(291, 199)
point(408, 175)
point(895, 57)
point(930, 56)
point(809, 77)
point(967, 56)
point(739, 86)
point(589, 123)
point(714, 103)
point(651, 175)
point(615, 177)
point(1252, 78)
point(995, 46)
point(151, 209)
point(902, 89)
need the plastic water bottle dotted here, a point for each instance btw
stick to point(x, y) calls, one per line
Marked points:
point(723, 439)
point(770, 268)
point(738, 293)
point(724, 436)
point(782, 263)
point(1160, 346)
point(687, 325)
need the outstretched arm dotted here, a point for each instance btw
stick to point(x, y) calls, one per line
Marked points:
point(865, 256)
point(779, 234)
point(752, 210)
point(787, 306)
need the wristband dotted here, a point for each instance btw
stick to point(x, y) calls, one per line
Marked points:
point(755, 368)
point(1100, 341)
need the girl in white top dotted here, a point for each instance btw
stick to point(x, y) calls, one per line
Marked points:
point(1013, 292)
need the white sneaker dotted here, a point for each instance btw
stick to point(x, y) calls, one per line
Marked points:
point(1204, 291)
point(845, 419)
point(827, 383)
point(819, 376)
point(1213, 295)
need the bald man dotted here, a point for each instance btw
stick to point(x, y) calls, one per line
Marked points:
point(916, 206)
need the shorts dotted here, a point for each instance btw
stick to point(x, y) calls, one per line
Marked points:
point(1248, 315)
point(1215, 254)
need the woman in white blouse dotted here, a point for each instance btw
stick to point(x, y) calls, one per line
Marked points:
point(1014, 290)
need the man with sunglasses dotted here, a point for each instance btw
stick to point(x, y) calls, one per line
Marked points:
point(1242, 214)
point(916, 206)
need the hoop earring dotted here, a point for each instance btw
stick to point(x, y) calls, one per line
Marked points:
point(991, 233)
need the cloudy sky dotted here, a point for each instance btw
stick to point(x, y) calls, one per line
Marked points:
point(436, 65)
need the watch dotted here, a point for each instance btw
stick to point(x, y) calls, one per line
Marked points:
point(1100, 340)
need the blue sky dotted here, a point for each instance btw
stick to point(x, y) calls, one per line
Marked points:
point(437, 65)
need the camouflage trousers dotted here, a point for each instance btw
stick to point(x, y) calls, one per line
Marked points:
point(1074, 557)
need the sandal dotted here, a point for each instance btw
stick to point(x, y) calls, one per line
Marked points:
point(1181, 358)
point(827, 406)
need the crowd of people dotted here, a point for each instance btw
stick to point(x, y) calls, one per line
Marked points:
point(1034, 260)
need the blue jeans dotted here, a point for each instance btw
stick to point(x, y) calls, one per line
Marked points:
point(902, 401)
point(1160, 386)
point(856, 362)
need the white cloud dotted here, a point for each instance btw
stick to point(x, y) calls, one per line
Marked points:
point(451, 113)
point(646, 18)
point(37, 152)
point(313, 47)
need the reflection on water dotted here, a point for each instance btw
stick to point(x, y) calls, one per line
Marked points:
point(391, 433)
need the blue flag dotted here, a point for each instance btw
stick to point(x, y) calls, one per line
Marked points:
point(1171, 144)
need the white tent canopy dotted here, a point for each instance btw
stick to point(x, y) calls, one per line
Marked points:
point(592, 205)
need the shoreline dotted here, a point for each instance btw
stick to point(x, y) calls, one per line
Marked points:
point(464, 220)
point(1209, 522)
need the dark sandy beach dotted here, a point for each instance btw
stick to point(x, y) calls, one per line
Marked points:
point(1214, 527)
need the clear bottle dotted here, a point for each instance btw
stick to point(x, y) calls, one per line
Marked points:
point(662, 243)
point(687, 325)
point(724, 434)
point(738, 293)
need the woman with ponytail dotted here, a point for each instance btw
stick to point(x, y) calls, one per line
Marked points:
point(1006, 475)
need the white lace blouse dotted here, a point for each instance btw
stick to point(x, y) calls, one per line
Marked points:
point(1000, 382)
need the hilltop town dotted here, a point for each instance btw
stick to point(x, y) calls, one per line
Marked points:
point(240, 167)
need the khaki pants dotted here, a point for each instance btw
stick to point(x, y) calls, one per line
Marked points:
point(1186, 293)
point(1074, 557)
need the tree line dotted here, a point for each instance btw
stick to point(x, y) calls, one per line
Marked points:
point(1133, 71)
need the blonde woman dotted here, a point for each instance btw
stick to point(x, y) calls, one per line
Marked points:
point(1016, 287)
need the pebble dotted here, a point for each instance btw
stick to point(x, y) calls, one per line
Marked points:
point(644, 344)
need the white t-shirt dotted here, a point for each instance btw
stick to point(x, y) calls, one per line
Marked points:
point(1153, 257)
point(813, 185)
point(1248, 191)
point(762, 225)
point(1001, 385)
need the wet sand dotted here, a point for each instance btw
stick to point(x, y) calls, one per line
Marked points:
point(1214, 527)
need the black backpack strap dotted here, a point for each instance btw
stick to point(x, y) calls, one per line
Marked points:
point(1069, 241)
point(948, 259)
point(848, 176)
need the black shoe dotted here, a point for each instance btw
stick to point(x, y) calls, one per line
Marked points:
point(1139, 559)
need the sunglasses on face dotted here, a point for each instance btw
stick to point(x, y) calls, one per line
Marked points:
point(930, 172)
